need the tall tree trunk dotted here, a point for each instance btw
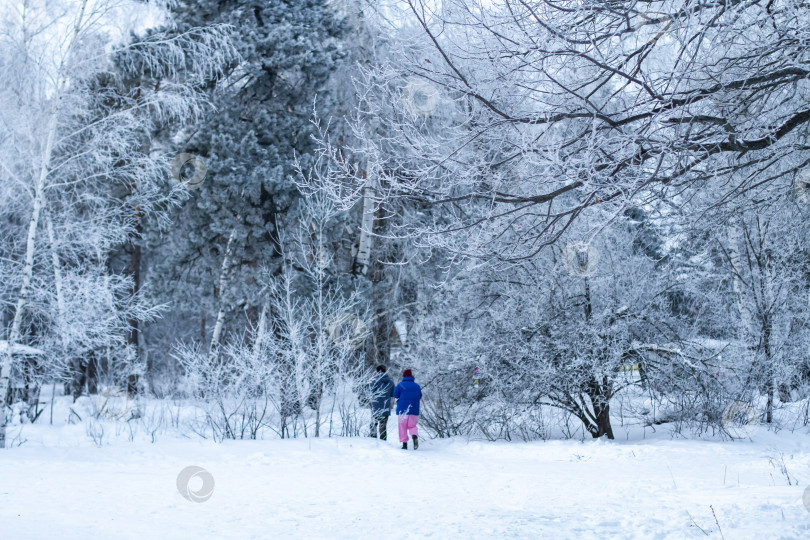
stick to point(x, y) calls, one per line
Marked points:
point(60, 298)
point(379, 350)
point(223, 283)
point(59, 283)
point(768, 301)
point(365, 244)
point(135, 272)
point(734, 239)
point(588, 305)
point(133, 339)
point(770, 374)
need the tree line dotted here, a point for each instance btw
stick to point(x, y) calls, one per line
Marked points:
point(537, 206)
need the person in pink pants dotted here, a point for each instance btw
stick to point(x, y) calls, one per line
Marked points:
point(408, 395)
point(408, 426)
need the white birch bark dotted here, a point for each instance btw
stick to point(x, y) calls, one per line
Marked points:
point(60, 301)
point(402, 331)
point(365, 244)
point(223, 283)
point(59, 284)
point(261, 332)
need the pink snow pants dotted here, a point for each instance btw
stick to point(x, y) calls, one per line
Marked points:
point(407, 422)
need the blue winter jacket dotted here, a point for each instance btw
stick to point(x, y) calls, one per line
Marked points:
point(381, 390)
point(408, 395)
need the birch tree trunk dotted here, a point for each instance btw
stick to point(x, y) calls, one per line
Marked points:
point(57, 278)
point(366, 228)
point(60, 301)
point(223, 282)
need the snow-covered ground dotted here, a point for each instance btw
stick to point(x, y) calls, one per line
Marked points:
point(60, 485)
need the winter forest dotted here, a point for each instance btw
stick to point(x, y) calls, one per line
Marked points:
point(582, 225)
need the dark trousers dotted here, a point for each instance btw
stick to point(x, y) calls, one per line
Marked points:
point(381, 423)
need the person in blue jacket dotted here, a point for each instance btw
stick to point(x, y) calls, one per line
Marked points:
point(381, 390)
point(408, 395)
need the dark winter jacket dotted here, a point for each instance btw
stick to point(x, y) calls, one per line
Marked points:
point(381, 390)
point(408, 395)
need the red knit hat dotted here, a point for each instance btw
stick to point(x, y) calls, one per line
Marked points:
point(407, 373)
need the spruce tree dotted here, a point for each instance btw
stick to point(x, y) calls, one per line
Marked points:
point(229, 232)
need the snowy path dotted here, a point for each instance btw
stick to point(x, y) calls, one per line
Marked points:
point(362, 488)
